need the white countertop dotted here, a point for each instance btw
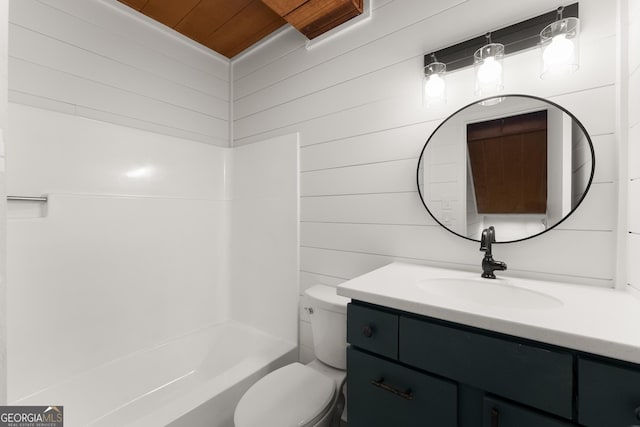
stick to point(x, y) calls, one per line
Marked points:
point(594, 320)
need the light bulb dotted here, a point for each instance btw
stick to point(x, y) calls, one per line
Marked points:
point(560, 47)
point(490, 71)
point(434, 86)
point(559, 52)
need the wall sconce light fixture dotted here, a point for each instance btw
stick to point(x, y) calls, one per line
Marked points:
point(434, 85)
point(556, 33)
point(559, 42)
point(489, 70)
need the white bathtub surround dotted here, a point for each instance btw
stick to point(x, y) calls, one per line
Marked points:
point(133, 250)
point(209, 370)
point(585, 318)
point(632, 74)
point(264, 236)
point(124, 262)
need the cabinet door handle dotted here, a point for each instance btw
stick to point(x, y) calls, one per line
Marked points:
point(495, 415)
point(367, 331)
point(636, 412)
point(405, 394)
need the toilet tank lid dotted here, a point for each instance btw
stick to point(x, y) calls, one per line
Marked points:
point(326, 297)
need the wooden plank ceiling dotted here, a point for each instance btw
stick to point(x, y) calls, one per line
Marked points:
point(231, 26)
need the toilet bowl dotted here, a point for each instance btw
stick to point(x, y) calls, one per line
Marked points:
point(309, 395)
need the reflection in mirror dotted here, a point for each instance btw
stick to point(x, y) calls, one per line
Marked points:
point(522, 165)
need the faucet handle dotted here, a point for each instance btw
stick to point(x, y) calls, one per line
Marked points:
point(488, 237)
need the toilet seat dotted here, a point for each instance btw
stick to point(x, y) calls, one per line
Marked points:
point(294, 395)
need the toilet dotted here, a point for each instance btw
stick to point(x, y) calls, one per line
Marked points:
point(309, 395)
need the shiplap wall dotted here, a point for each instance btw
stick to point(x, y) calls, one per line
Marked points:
point(4, 23)
point(100, 60)
point(356, 102)
point(633, 47)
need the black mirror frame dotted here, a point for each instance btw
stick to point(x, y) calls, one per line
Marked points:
point(575, 119)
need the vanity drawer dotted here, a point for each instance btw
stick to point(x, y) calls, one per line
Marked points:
point(373, 330)
point(382, 394)
point(498, 413)
point(608, 395)
point(531, 375)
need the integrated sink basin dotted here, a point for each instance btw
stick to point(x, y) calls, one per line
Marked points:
point(497, 293)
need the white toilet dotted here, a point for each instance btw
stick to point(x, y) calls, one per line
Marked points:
point(309, 395)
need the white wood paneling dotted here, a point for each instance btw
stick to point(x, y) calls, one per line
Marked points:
point(634, 208)
point(357, 106)
point(27, 77)
point(633, 186)
point(606, 153)
point(417, 242)
point(106, 40)
point(591, 106)
point(401, 143)
point(634, 152)
point(398, 32)
point(380, 208)
point(309, 279)
point(144, 31)
point(634, 99)
point(385, 177)
point(97, 60)
point(597, 212)
point(338, 263)
point(47, 52)
point(633, 266)
point(287, 40)
point(397, 77)
point(393, 17)
point(634, 35)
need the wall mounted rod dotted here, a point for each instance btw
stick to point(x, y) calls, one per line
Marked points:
point(27, 199)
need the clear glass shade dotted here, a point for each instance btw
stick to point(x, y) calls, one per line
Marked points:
point(434, 87)
point(560, 47)
point(489, 71)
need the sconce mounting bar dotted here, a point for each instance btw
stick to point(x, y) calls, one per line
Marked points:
point(516, 37)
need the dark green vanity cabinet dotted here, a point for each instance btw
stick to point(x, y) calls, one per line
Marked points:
point(609, 394)
point(410, 370)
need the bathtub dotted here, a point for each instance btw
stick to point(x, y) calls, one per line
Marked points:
point(195, 380)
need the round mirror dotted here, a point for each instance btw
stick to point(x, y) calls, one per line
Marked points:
point(521, 165)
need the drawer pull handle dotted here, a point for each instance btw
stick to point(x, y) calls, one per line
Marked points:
point(406, 394)
point(495, 415)
point(367, 331)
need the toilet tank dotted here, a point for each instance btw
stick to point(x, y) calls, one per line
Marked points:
point(328, 325)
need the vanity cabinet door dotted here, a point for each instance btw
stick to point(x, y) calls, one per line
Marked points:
point(608, 395)
point(531, 375)
point(373, 330)
point(497, 413)
point(381, 393)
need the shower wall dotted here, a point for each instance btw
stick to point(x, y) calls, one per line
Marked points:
point(264, 235)
point(124, 127)
point(128, 252)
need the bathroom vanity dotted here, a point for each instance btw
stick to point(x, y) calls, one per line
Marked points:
point(444, 348)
